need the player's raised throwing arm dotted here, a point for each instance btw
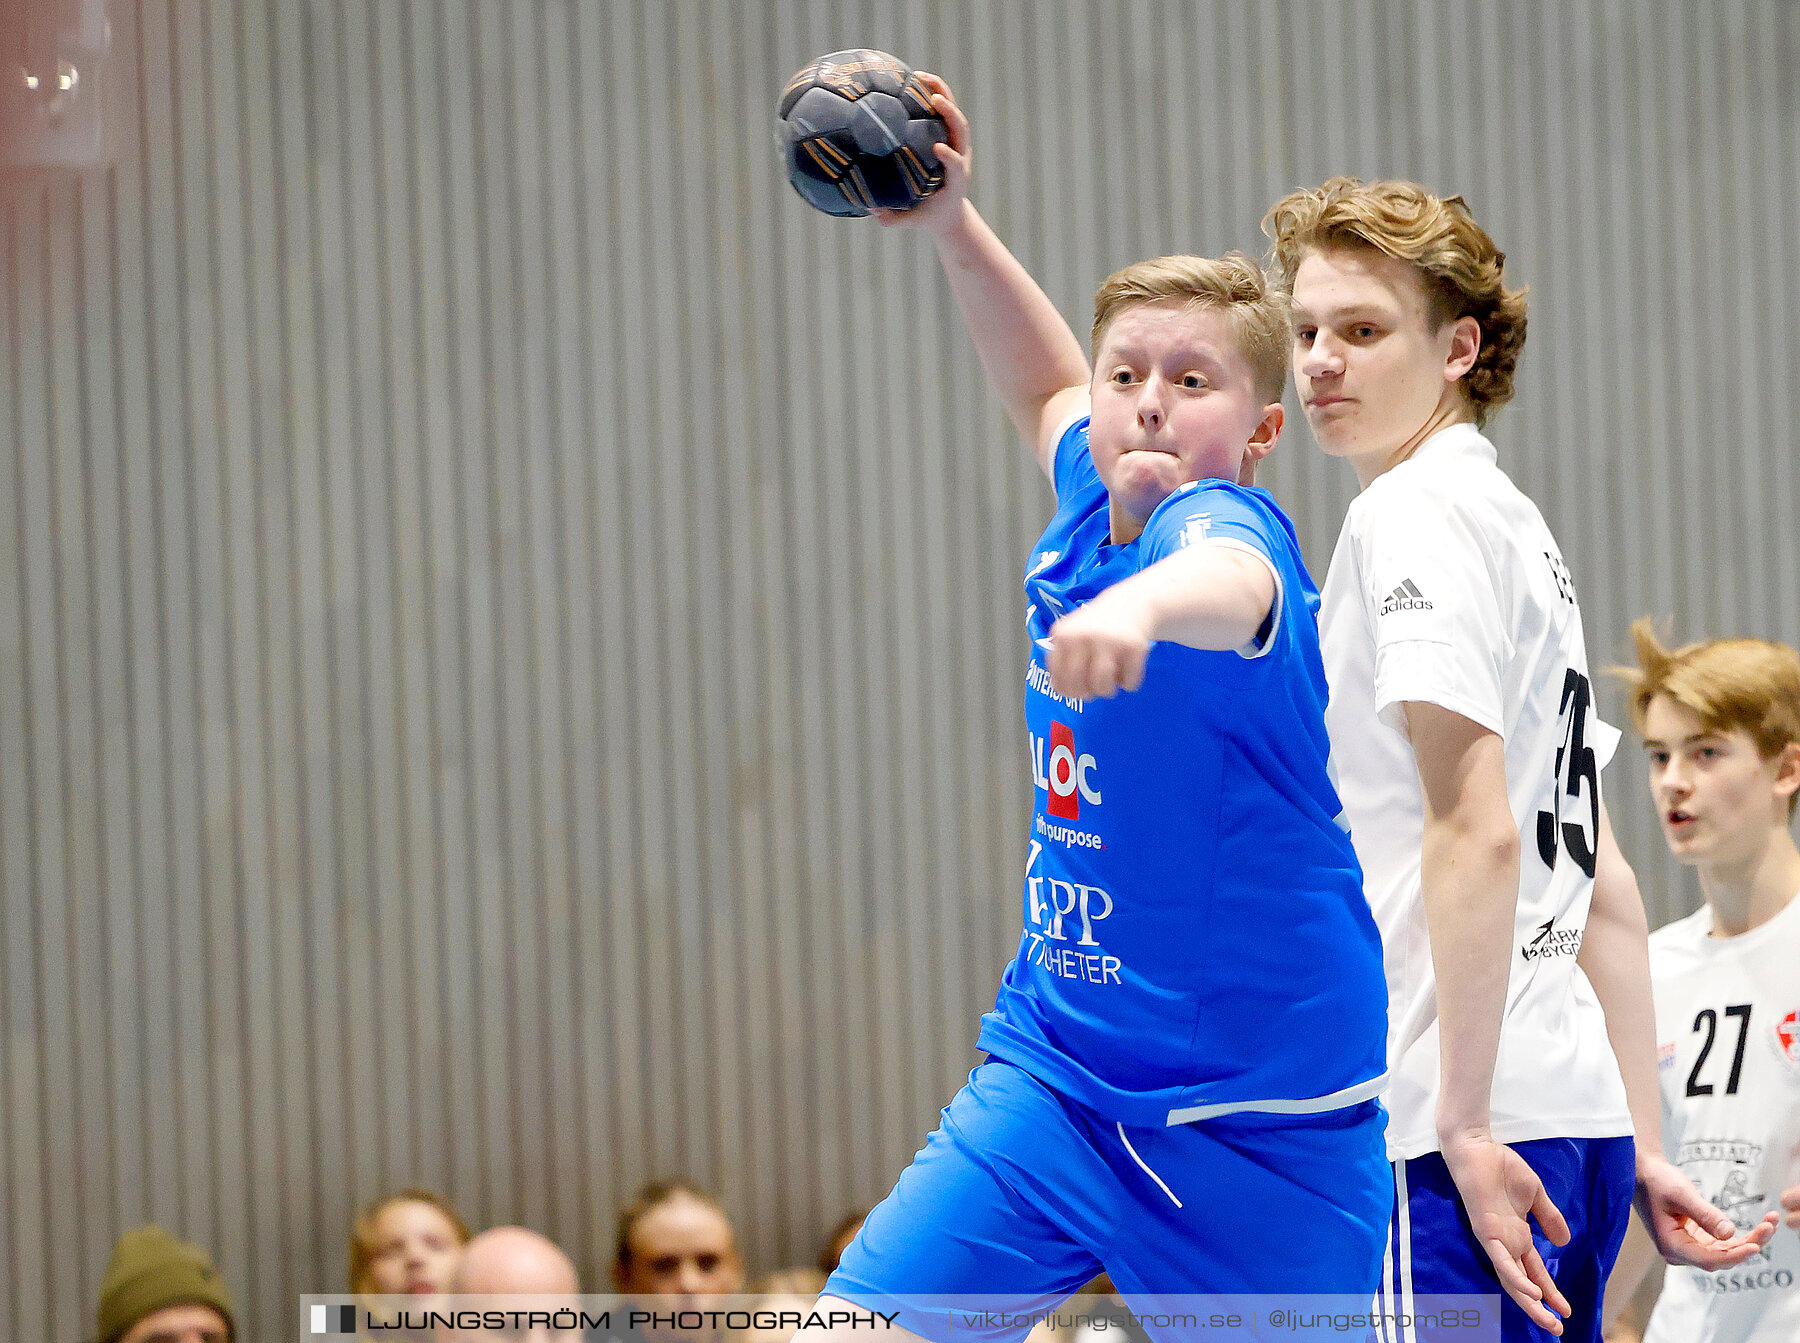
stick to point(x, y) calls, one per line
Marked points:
point(1033, 360)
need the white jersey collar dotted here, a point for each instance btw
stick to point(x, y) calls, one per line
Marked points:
point(1773, 926)
point(1457, 440)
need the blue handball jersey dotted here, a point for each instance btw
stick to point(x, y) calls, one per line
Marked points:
point(1196, 939)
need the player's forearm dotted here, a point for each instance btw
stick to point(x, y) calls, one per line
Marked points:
point(1471, 884)
point(1025, 346)
point(1628, 1011)
point(1206, 596)
point(1615, 956)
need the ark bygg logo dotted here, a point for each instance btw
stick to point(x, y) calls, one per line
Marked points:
point(1552, 941)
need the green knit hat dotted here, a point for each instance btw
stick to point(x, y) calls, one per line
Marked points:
point(151, 1271)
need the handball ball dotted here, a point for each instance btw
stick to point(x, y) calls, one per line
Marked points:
point(856, 130)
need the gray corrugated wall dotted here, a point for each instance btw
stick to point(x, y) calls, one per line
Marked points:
point(509, 649)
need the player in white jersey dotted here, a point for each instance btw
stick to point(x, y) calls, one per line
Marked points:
point(1469, 760)
point(1721, 727)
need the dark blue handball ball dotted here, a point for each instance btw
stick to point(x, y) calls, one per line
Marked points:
point(856, 131)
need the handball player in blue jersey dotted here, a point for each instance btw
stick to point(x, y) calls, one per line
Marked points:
point(1185, 1053)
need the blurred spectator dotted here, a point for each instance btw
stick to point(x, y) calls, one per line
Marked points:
point(406, 1244)
point(676, 1241)
point(839, 1240)
point(803, 1281)
point(787, 1291)
point(163, 1289)
point(511, 1261)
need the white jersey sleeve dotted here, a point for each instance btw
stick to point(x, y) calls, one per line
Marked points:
point(1440, 637)
point(1728, 1055)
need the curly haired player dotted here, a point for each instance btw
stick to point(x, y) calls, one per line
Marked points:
point(1469, 764)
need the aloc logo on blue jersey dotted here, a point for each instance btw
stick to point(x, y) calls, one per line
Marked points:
point(1068, 777)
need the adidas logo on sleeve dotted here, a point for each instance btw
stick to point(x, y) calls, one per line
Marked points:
point(1406, 597)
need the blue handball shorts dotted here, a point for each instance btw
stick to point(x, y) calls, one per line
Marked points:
point(1433, 1252)
point(1022, 1195)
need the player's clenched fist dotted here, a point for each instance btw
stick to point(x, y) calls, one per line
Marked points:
point(1101, 649)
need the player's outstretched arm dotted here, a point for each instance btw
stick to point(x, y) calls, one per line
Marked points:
point(1033, 361)
point(1471, 885)
point(1204, 596)
point(1615, 956)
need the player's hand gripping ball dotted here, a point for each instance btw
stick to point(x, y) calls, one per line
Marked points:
point(857, 131)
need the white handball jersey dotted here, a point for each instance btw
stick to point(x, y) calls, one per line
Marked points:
point(1728, 1036)
point(1447, 588)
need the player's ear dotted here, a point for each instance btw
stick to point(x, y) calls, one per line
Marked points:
point(1787, 770)
point(1465, 345)
point(1267, 431)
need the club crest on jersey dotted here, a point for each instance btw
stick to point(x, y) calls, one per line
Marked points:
point(1787, 1039)
point(1195, 529)
point(1066, 775)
